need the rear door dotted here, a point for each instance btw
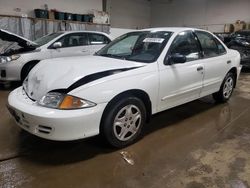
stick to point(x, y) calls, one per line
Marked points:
point(74, 44)
point(97, 41)
point(215, 61)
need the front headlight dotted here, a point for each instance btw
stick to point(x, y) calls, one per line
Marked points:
point(5, 59)
point(64, 101)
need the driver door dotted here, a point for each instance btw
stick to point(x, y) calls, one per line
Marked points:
point(181, 82)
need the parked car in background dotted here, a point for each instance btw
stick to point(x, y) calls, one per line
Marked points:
point(240, 41)
point(116, 91)
point(19, 55)
point(225, 37)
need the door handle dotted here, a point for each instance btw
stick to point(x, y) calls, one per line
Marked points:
point(199, 68)
point(228, 62)
point(84, 50)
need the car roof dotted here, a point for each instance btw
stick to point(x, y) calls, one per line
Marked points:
point(80, 31)
point(171, 29)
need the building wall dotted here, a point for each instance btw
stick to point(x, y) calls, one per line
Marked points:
point(27, 6)
point(116, 32)
point(137, 14)
point(129, 14)
point(207, 14)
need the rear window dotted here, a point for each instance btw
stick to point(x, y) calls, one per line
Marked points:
point(98, 39)
point(210, 45)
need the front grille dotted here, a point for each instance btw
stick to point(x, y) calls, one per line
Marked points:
point(44, 129)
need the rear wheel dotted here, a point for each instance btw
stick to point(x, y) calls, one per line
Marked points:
point(226, 89)
point(124, 121)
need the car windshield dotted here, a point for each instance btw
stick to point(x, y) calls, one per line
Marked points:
point(47, 38)
point(144, 46)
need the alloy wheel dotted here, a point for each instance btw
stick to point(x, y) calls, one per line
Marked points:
point(127, 122)
point(228, 87)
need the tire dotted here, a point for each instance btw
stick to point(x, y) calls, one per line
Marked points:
point(122, 125)
point(226, 89)
point(26, 70)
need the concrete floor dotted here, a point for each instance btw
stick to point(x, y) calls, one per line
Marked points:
point(197, 145)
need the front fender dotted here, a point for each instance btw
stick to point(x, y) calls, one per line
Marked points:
point(106, 91)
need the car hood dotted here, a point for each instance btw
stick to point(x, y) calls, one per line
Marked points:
point(66, 74)
point(11, 37)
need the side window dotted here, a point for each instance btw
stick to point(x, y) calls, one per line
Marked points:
point(221, 48)
point(73, 40)
point(185, 44)
point(210, 45)
point(98, 39)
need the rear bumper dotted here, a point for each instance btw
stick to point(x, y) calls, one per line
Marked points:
point(53, 124)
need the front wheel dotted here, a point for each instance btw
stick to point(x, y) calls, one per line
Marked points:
point(123, 122)
point(226, 89)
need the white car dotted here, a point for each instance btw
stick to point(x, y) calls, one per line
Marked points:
point(116, 91)
point(19, 55)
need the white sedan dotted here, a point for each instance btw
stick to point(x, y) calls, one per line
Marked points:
point(19, 55)
point(116, 91)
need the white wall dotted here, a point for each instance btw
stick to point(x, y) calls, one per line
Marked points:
point(116, 32)
point(27, 6)
point(137, 14)
point(208, 14)
point(130, 14)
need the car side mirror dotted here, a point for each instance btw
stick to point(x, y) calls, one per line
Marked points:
point(175, 59)
point(57, 45)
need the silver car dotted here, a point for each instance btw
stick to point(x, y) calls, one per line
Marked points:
point(19, 55)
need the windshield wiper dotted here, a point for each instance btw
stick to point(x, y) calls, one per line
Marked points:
point(112, 56)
